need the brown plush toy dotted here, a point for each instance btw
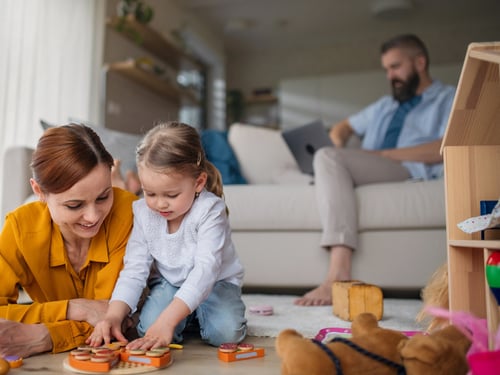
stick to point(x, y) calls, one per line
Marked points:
point(441, 352)
point(371, 350)
point(376, 351)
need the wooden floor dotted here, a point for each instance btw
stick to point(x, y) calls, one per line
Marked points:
point(195, 359)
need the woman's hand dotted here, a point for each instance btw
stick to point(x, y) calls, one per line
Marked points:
point(22, 339)
point(87, 310)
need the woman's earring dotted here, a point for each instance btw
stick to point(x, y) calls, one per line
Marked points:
point(197, 194)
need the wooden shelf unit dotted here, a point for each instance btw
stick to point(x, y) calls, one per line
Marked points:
point(135, 95)
point(152, 41)
point(471, 151)
point(162, 87)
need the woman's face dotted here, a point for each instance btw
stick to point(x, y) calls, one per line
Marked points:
point(80, 211)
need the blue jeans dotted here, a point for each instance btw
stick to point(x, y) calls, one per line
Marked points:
point(221, 316)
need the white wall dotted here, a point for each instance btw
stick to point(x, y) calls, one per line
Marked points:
point(332, 98)
point(351, 44)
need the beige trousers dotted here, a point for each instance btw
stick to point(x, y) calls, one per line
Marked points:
point(337, 172)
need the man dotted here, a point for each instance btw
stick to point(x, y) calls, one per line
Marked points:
point(390, 152)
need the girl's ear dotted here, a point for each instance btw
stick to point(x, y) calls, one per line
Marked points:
point(201, 181)
point(37, 190)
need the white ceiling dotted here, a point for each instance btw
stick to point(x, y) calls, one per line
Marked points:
point(276, 24)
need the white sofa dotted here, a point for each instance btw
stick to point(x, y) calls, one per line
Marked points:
point(276, 227)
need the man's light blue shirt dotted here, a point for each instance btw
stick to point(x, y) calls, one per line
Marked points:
point(425, 123)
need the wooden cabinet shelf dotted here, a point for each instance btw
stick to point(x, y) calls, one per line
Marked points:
point(471, 151)
point(486, 55)
point(162, 87)
point(152, 41)
point(479, 244)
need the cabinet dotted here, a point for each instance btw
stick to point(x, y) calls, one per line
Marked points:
point(471, 151)
point(161, 85)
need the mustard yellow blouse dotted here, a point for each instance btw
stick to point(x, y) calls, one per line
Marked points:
point(32, 255)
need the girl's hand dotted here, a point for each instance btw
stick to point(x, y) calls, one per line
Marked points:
point(104, 331)
point(149, 342)
point(157, 336)
point(161, 332)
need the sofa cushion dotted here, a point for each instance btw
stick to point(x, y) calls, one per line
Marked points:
point(397, 205)
point(272, 207)
point(263, 156)
point(408, 204)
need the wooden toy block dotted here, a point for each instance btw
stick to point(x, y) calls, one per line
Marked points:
point(240, 355)
point(159, 362)
point(353, 297)
point(90, 366)
point(117, 361)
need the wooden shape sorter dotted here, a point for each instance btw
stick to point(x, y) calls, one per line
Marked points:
point(240, 355)
point(118, 362)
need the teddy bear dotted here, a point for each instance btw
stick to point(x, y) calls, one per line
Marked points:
point(374, 350)
point(303, 356)
point(443, 351)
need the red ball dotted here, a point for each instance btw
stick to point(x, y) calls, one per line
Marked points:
point(494, 259)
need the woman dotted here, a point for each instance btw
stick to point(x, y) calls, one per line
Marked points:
point(65, 250)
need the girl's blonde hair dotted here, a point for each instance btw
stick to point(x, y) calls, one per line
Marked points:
point(175, 146)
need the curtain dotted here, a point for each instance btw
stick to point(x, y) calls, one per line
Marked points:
point(50, 64)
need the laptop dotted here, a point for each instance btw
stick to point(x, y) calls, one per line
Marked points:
point(304, 141)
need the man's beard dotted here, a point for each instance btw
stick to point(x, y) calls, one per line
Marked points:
point(407, 90)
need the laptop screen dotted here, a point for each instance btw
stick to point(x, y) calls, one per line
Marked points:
point(304, 141)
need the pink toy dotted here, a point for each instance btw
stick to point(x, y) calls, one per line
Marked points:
point(484, 363)
point(261, 310)
point(327, 334)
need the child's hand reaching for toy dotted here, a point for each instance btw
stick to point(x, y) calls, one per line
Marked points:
point(161, 332)
point(110, 326)
point(105, 331)
point(149, 342)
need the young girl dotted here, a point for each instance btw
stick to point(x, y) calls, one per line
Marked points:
point(181, 232)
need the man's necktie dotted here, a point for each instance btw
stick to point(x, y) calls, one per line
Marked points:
point(396, 124)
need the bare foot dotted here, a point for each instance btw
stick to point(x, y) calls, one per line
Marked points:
point(319, 296)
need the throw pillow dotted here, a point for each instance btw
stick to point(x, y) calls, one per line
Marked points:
point(119, 144)
point(219, 152)
point(264, 156)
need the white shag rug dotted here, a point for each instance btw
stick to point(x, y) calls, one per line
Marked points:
point(399, 314)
